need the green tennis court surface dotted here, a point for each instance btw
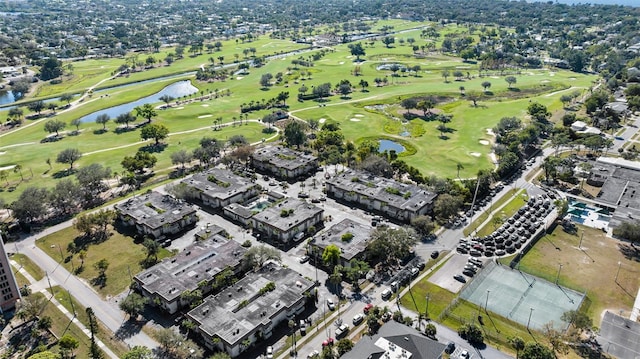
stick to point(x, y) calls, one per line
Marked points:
point(521, 297)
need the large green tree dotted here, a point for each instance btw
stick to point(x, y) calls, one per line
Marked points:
point(146, 111)
point(294, 134)
point(133, 305)
point(69, 156)
point(391, 245)
point(154, 131)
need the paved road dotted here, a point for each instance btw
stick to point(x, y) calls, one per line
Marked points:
point(107, 312)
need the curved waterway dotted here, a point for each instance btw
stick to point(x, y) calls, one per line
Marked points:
point(175, 90)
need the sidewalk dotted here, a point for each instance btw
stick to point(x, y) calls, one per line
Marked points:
point(52, 300)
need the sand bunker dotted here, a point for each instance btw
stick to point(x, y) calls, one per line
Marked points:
point(358, 115)
point(180, 108)
point(495, 77)
point(322, 120)
point(7, 168)
point(2, 153)
point(572, 78)
point(205, 105)
point(239, 78)
point(552, 74)
point(475, 154)
point(205, 116)
point(484, 142)
point(490, 132)
point(544, 81)
point(341, 62)
point(355, 119)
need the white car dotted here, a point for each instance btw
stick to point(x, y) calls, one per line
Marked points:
point(331, 304)
point(269, 352)
point(313, 354)
point(464, 354)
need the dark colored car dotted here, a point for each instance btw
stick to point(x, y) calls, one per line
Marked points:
point(435, 254)
point(460, 278)
point(451, 346)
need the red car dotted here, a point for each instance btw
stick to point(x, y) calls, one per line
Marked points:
point(367, 308)
point(328, 341)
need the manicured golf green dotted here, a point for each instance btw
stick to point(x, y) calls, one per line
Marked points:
point(372, 113)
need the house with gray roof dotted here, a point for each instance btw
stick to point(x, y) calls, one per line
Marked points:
point(395, 200)
point(156, 215)
point(283, 162)
point(349, 236)
point(217, 187)
point(395, 341)
point(286, 220)
point(249, 310)
point(195, 268)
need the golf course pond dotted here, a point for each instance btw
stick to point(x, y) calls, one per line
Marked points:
point(175, 90)
point(388, 145)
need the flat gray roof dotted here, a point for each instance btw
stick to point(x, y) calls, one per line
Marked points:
point(219, 183)
point(301, 212)
point(409, 196)
point(348, 249)
point(621, 187)
point(283, 157)
point(200, 261)
point(154, 209)
point(240, 309)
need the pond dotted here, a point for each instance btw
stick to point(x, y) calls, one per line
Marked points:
point(6, 96)
point(175, 90)
point(388, 145)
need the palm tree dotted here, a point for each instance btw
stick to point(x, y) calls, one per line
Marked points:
point(459, 167)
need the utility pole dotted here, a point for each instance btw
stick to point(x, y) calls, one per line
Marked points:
point(529, 321)
point(487, 301)
point(618, 272)
point(558, 275)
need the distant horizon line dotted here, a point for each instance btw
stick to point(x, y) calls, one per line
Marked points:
point(632, 3)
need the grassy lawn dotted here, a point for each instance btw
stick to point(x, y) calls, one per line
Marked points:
point(507, 211)
point(104, 334)
point(509, 196)
point(431, 153)
point(416, 298)
point(61, 325)
point(29, 266)
point(497, 330)
point(123, 254)
point(591, 268)
point(20, 279)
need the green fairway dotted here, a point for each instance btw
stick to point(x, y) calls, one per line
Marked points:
point(374, 113)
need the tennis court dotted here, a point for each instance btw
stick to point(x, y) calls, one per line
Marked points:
point(521, 297)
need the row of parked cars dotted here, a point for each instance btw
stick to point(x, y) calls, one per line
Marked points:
point(470, 269)
point(512, 234)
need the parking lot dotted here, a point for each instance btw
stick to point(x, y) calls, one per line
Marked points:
point(444, 276)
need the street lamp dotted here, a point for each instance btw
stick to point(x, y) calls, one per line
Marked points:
point(487, 301)
point(529, 321)
point(581, 237)
point(558, 275)
point(426, 310)
point(618, 271)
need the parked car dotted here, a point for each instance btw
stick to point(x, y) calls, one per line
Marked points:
point(303, 327)
point(414, 271)
point(269, 352)
point(451, 346)
point(304, 259)
point(460, 278)
point(342, 331)
point(313, 354)
point(367, 308)
point(331, 304)
point(358, 318)
point(435, 254)
point(386, 294)
point(464, 354)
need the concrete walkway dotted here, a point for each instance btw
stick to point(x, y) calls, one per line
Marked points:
point(36, 286)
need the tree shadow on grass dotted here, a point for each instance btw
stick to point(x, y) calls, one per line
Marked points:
point(629, 251)
point(121, 130)
point(63, 173)
point(100, 131)
point(153, 148)
point(100, 281)
point(49, 139)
